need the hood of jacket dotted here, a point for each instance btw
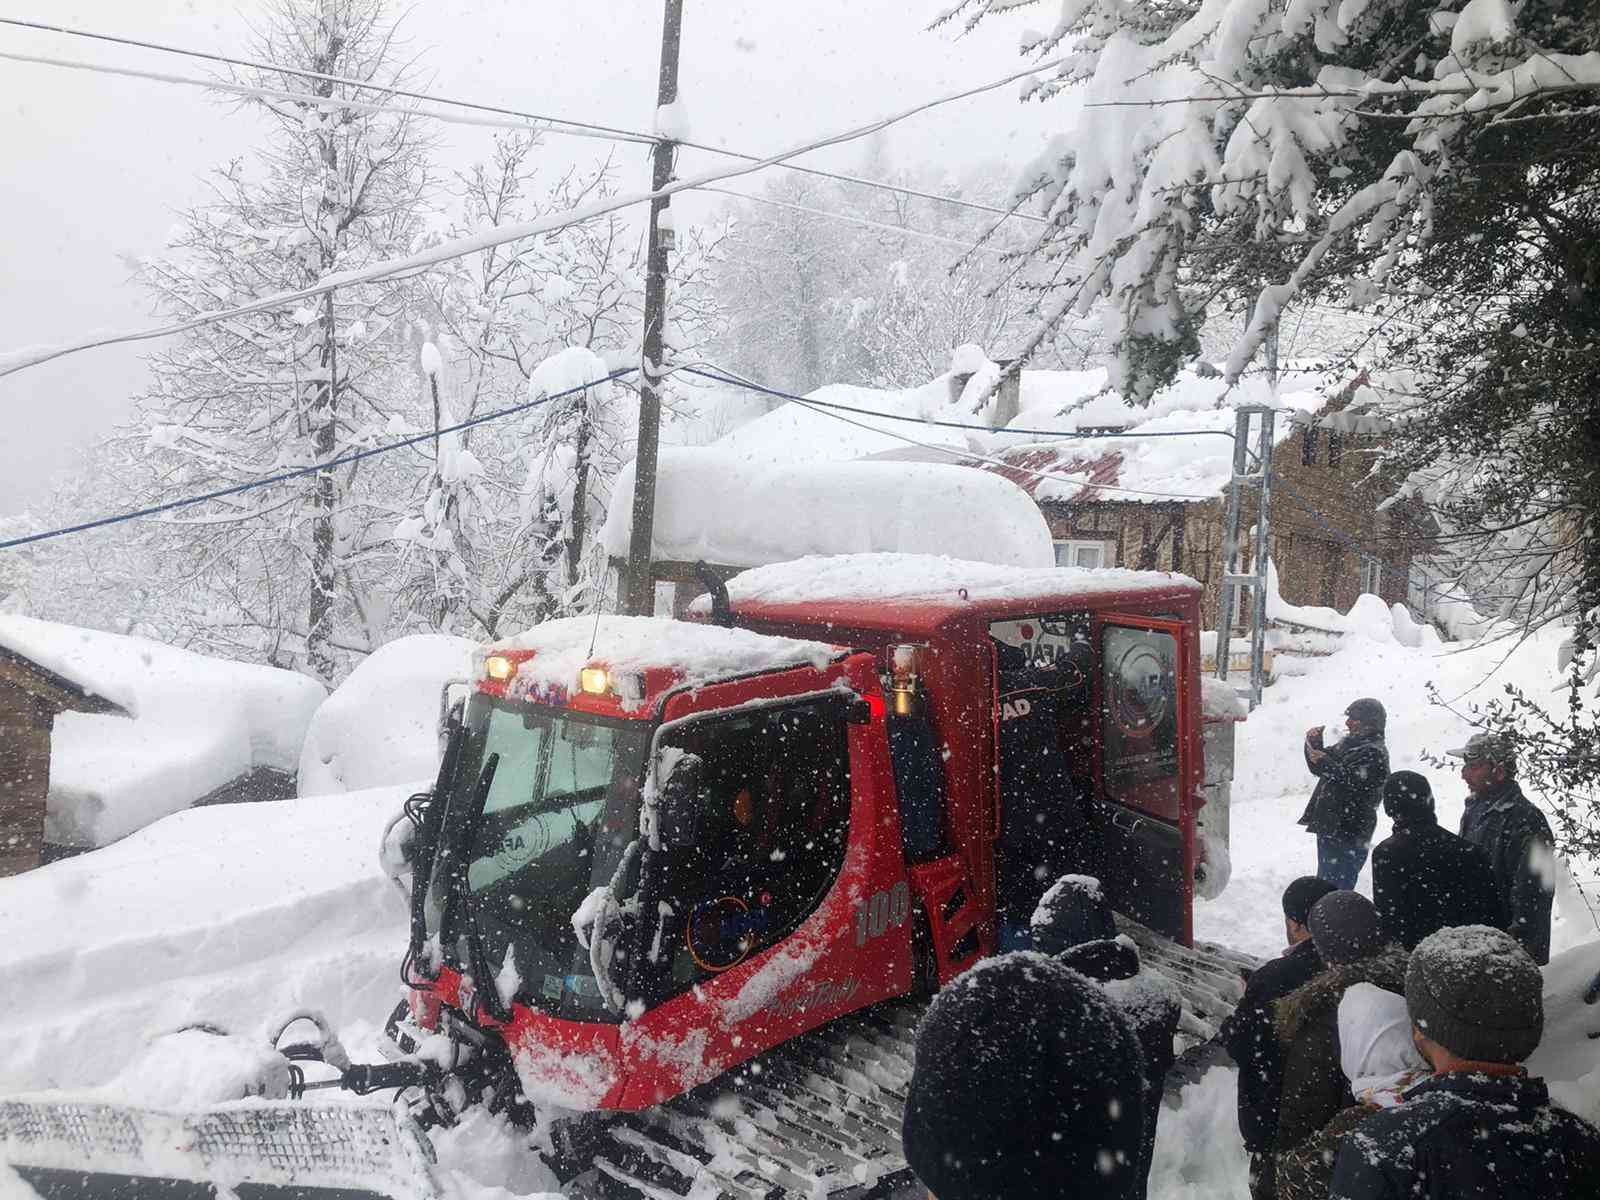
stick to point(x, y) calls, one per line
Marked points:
point(1321, 995)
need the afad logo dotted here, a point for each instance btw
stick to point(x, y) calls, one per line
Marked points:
point(1012, 709)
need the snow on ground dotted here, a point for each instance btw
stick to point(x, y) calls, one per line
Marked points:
point(233, 915)
point(379, 726)
point(197, 724)
point(714, 504)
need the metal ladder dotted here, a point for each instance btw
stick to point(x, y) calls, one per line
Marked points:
point(1233, 582)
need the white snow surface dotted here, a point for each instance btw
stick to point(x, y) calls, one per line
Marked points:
point(698, 653)
point(726, 508)
point(929, 576)
point(381, 724)
point(1050, 403)
point(197, 724)
point(233, 915)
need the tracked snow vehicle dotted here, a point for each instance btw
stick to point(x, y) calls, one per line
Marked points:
point(687, 881)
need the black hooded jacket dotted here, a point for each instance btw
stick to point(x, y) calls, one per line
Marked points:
point(1470, 1137)
point(1252, 1041)
point(1516, 837)
point(1425, 879)
point(1349, 787)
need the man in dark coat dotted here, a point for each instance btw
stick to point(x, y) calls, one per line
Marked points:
point(1425, 878)
point(1252, 1041)
point(1480, 1128)
point(1027, 1084)
point(1343, 810)
point(1516, 836)
point(1345, 928)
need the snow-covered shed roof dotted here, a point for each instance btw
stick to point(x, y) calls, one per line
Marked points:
point(1195, 464)
point(725, 508)
point(197, 723)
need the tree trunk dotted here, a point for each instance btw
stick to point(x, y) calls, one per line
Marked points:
point(580, 493)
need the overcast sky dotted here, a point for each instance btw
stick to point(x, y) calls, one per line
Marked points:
point(95, 167)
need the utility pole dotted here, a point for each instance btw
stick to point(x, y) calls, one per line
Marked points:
point(638, 591)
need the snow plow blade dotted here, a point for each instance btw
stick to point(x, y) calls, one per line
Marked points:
point(60, 1149)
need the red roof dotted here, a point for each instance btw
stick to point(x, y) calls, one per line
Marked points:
point(1029, 466)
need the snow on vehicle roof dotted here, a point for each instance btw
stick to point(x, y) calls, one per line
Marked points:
point(697, 653)
point(729, 509)
point(198, 723)
point(857, 577)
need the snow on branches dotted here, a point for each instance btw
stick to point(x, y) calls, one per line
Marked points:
point(1255, 116)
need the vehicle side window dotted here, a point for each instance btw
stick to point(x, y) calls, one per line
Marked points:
point(775, 790)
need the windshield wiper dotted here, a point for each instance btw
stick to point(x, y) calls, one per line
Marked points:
point(452, 868)
point(426, 845)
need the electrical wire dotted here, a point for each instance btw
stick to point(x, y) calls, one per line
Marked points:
point(278, 69)
point(610, 131)
point(494, 235)
point(854, 220)
point(253, 92)
point(284, 476)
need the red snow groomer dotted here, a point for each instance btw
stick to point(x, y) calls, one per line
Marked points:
point(694, 880)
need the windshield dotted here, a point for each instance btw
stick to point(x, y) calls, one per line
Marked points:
point(562, 806)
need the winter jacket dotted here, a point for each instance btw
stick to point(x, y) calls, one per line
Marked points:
point(1425, 879)
point(1349, 788)
point(1151, 1004)
point(1314, 1083)
point(1521, 851)
point(1380, 1061)
point(1471, 1137)
point(1252, 1041)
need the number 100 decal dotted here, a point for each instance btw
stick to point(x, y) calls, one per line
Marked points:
point(881, 910)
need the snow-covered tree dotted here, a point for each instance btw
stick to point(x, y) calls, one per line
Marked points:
point(273, 572)
point(1433, 163)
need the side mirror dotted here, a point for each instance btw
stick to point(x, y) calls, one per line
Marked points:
point(678, 805)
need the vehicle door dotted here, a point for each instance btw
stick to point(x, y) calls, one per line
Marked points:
point(1148, 769)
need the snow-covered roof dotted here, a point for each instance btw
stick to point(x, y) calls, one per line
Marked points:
point(1197, 466)
point(697, 653)
point(868, 577)
point(381, 725)
point(726, 508)
point(197, 723)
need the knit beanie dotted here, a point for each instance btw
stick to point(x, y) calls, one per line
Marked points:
point(1478, 993)
point(1344, 926)
point(1300, 895)
point(1369, 712)
point(1028, 1082)
point(1408, 799)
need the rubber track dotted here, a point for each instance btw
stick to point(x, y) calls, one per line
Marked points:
point(820, 1117)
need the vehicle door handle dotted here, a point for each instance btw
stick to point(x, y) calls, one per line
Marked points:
point(1125, 820)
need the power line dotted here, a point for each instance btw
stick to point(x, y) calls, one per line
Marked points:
point(341, 460)
point(612, 131)
point(251, 91)
point(618, 134)
point(491, 236)
point(1051, 434)
point(968, 456)
point(867, 221)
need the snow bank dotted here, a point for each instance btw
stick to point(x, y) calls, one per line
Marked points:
point(231, 915)
point(381, 726)
point(698, 653)
point(198, 723)
point(928, 576)
point(725, 508)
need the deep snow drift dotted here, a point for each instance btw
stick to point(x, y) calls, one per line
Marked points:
point(236, 915)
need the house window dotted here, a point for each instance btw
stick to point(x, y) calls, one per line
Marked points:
point(1308, 446)
point(1076, 553)
point(1335, 447)
point(1371, 576)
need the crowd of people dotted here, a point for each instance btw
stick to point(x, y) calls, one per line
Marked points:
point(1379, 1056)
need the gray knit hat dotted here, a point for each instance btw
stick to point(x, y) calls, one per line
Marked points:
point(1478, 993)
point(1344, 925)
